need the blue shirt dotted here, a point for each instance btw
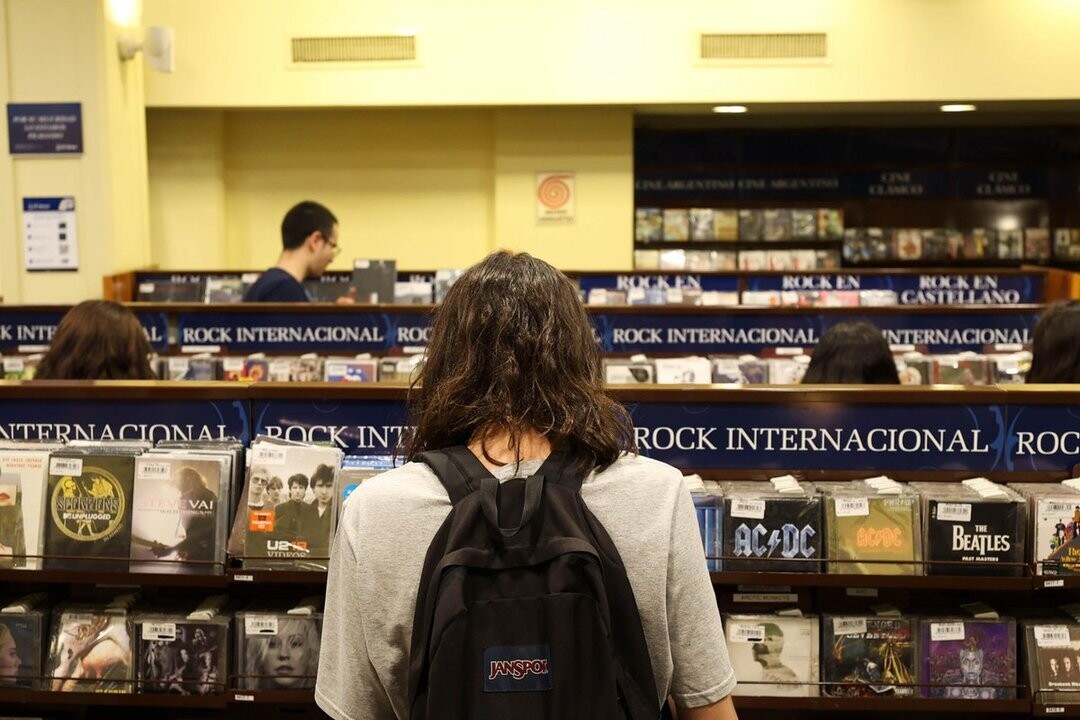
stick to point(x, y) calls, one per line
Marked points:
point(276, 285)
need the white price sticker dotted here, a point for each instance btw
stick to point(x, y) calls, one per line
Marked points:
point(232, 364)
point(765, 597)
point(146, 288)
point(862, 592)
point(1053, 583)
point(746, 508)
point(1058, 507)
point(243, 697)
point(747, 632)
point(1051, 636)
point(849, 626)
point(65, 466)
point(243, 578)
point(956, 512)
point(79, 618)
point(153, 471)
point(14, 365)
point(267, 455)
point(852, 507)
point(260, 625)
point(159, 631)
point(1054, 710)
point(947, 631)
point(179, 364)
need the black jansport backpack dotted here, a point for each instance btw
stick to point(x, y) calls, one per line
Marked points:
point(524, 610)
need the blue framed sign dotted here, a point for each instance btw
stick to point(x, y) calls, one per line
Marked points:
point(32, 329)
point(45, 128)
point(646, 281)
point(303, 332)
point(918, 289)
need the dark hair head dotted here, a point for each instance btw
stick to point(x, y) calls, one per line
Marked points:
point(1055, 349)
point(298, 479)
point(852, 352)
point(323, 474)
point(511, 350)
point(303, 219)
point(97, 340)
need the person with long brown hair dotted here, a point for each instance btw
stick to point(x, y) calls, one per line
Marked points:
point(97, 340)
point(1055, 349)
point(513, 373)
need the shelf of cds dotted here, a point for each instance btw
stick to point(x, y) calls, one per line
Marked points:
point(873, 549)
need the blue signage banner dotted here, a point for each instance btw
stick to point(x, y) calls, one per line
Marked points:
point(898, 183)
point(1001, 183)
point(154, 420)
point(629, 281)
point(31, 329)
point(875, 438)
point(826, 436)
point(753, 332)
point(365, 427)
point(917, 289)
point(716, 187)
point(45, 128)
point(303, 332)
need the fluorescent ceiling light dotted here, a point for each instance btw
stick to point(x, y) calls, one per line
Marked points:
point(730, 109)
point(958, 107)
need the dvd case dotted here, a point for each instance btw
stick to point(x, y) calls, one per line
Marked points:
point(773, 655)
point(765, 531)
point(968, 659)
point(869, 656)
point(277, 651)
point(23, 485)
point(178, 656)
point(90, 651)
point(22, 636)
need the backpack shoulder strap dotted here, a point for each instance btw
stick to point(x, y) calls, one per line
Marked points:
point(559, 468)
point(457, 469)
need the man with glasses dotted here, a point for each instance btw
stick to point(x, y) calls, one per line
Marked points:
point(309, 236)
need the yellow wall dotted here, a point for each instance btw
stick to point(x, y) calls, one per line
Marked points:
point(66, 51)
point(429, 188)
point(236, 53)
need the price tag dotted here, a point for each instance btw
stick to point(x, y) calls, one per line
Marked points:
point(765, 597)
point(849, 626)
point(260, 625)
point(146, 288)
point(1054, 710)
point(153, 471)
point(79, 618)
point(65, 466)
point(1051, 635)
point(243, 697)
point(1059, 507)
point(179, 364)
point(268, 455)
point(232, 364)
point(1053, 583)
point(947, 631)
point(956, 512)
point(159, 631)
point(747, 632)
point(852, 507)
point(862, 592)
point(747, 508)
point(14, 365)
point(244, 578)
point(788, 351)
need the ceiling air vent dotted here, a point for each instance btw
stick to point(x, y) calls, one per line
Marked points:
point(355, 49)
point(762, 46)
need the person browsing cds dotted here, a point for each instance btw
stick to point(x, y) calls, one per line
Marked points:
point(309, 238)
point(512, 375)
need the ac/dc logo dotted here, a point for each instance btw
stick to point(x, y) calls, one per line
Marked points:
point(518, 669)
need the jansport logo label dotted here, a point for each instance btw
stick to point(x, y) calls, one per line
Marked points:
point(517, 668)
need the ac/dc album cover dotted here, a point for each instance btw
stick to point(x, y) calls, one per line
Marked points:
point(275, 651)
point(772, 534)
point(968, 659)
point(177, 656)
point(984, 538)
point(90, 651)
point(869, 656)
point(88, 523)
point(773, 655)
point(23, 485)
point(884, 530)
point(21, 642)
point(178, 514)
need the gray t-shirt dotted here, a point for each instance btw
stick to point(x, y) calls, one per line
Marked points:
point(384, 534)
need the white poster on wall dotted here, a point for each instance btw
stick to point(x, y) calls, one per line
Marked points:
point(49, 235)
point(555, 197)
